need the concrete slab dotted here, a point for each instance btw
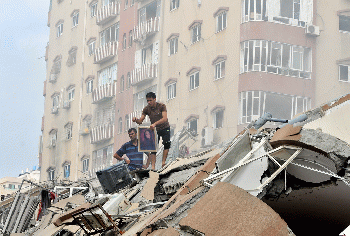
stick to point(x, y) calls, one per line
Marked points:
point(229, 210)
point(67, 215)
point(148, 189)
point(165, 232)
point(76, 199)
point(240, 147)
point(335, 122)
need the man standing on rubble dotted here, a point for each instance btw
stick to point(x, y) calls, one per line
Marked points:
point(157, 114)
point(133, 158)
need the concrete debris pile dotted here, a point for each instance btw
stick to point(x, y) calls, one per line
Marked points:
point(289, 180)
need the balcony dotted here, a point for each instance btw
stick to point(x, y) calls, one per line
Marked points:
point(106, 52)
point(147, 72)
point(107, 13)
point(146, 28)
point(137, 114)
point(104, 92)
point(102, 133)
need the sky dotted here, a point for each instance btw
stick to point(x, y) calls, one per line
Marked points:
point(23, 37)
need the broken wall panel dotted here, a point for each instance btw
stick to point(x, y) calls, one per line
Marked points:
point(228, 210)
point(240, 148)
point(249, 176)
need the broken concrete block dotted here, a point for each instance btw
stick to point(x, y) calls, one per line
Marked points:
point(228, 210)
point(148, 189)
point(165, 232)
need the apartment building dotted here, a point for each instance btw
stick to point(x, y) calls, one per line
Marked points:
point(217, 65)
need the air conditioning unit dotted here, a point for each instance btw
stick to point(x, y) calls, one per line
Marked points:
point(312, 30)
point(66, 104)
point(207, 136)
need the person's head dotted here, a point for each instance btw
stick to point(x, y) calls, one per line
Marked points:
point(132, 134)
point(147, 134)
point(151, 99)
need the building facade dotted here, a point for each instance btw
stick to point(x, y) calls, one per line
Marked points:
point(217, 65)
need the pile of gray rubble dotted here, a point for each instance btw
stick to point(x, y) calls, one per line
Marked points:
point(289, 180)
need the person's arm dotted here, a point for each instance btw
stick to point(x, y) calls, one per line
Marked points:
point(139, 121)
point(119, 155)
point(164, 119)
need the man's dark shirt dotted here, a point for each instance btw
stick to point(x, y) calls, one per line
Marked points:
point(135, 157)
point(155, 114)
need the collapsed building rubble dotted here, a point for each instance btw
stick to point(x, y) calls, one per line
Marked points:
point(289, 180)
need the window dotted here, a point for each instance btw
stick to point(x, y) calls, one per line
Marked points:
point(126, 4)
point(85, 165)
point(173, 46)
point(344, 23)
point(92, 48)
point(59, 29)
point(221, 21)
point(66, 171)
point(254, 104)
point(218, 119)
point(51, 174)
point(102, 158)
point(89, 86)
point(71, 93)
point(194, 80)
point(196, 33)
point(146, 56)
point(93, 10)
point(132, 3)
point(253, 10)
point(220, 70)
point(122, 84)
point(86, 124)
point(55, 100)
point(124, 41)
point(107, 75)
point(130, 38)
point(140, 98)
point(75, 18)
point(110, 34)
point(12, 186)
point(275, 57)
point(192, 126)
point(127, 123)
point(120, 125)
point(104, 116)
point(171, 91)
point(128, 81)
point(53, 138)
point(174, 4)
point(344, 73)
point(150, 11)
point(68, 129)
point(72, 56)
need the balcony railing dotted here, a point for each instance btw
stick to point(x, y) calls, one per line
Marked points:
point(102, 133)
point(107, 13)
point(146, 28)
point(137, 114)
point(104, 92)
point(145, 73)
point(106, 52)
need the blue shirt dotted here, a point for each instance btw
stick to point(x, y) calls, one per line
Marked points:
point(132, 152)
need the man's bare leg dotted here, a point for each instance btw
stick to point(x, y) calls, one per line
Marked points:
point(165, 155)
point(153, 161)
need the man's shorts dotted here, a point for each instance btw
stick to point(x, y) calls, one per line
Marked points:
point(165, 134)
